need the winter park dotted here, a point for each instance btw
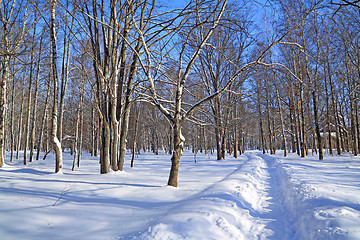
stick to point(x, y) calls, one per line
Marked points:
point(255, 196)
point(188, 119)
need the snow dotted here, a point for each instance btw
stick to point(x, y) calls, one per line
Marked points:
point(255, 196)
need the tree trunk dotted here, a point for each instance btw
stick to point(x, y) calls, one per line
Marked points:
point(223, 145)
point(33, 126)
point(5, 78)
point(262, 139)
point(346, 143)
point(302, 124)
point(54, 139)
point(93, 124)
point(80, 132)
point(127, 107)
point(12, 129)
point(114, 148)
point(154, 141)
point(269, 120)
point(96, 136)
point(353, 128)
point(282, 124)
point(292, 127)
point(317, 127)
point(357, 123)
point(328, 117)
point(135, 135)
point(338, 134)
point(177, 153)
point(216, 109)
point(76, 138)
point(105, 147)
point(235, 133)
point(28, 110)
point(77, 142)
point(18, 146)
point(43, 122)
point(218, 142)
point(241, 147)
point(205, 141)
point(64, 75)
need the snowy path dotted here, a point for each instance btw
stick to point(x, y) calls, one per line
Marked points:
point(256, 201)
point(259, 200)
point(299, 211)
point(290, 217)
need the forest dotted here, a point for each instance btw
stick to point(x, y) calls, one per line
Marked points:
point(210, 76)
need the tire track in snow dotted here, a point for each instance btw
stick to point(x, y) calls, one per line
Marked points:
point(280, 221)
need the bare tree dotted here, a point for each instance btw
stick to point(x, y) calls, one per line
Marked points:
point(54, 75)
point(33, 126)
point(14, 17)
point(178, 115)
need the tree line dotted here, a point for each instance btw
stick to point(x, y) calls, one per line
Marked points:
point(214, 76)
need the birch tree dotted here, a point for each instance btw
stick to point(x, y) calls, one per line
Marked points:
point(54, 75)
point(14, 24)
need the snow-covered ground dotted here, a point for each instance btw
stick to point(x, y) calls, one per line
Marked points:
point(253, 197)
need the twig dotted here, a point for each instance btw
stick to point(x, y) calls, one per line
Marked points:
point(62, 194)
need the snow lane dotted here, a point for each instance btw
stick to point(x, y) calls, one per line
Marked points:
point(258, 200)
point(285, 203)
point(296, 210)
point(331, 192)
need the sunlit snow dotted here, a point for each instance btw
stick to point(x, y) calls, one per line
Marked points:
point(253, 197)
